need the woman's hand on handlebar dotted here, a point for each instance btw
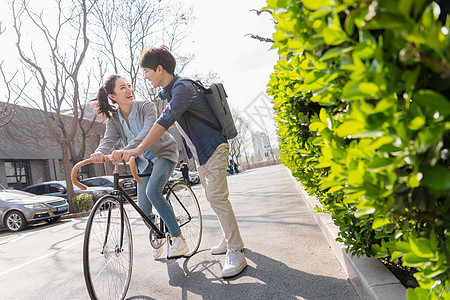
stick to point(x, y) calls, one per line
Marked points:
point(98, 157)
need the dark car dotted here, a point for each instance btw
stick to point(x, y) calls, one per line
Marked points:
point(18, 209)
point(58, 188)
point(127, 184)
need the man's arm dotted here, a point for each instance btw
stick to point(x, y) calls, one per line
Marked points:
point(153, 135)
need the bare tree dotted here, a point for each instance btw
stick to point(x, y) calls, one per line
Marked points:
point(56, 76)
point(238, 143)
point(125, 28)
point(7, 107)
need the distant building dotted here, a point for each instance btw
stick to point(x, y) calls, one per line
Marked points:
point(29, 155)
point(261, 145)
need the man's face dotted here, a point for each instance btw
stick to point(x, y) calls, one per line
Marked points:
point(154, 76)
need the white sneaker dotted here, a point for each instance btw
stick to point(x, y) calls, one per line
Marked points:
point(220, 249)
point(178, 248)
point(234, 263)
point(157, 252)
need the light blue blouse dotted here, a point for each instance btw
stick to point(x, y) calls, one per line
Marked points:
point(132, 132)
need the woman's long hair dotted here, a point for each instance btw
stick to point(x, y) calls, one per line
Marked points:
point(103, 105)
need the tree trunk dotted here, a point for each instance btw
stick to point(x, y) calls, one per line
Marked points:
point(67, 173)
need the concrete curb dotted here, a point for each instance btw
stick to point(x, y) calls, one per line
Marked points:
point(370, 278)
point(75, 215)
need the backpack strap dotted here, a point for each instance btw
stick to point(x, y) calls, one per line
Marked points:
point(206, 122)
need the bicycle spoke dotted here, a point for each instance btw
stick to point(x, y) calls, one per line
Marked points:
point(107, 268)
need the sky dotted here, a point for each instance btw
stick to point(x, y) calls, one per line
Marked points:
point(220, 40)
point(222, 45)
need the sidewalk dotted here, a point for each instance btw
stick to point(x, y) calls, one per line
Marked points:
point(370, 278)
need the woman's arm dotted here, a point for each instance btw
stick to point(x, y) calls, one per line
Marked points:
point(106, 144)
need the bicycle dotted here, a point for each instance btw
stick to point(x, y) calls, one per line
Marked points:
point(108, 245)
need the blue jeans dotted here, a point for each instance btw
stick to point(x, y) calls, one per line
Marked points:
point(150, 194)
point(187, 180)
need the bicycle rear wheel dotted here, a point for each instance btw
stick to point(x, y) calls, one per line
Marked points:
point(107, 268)
point(188, 214)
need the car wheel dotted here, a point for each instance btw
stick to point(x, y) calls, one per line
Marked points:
point(15, 221)
point(53, 220)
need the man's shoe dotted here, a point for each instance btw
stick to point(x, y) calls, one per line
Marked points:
point(234, 263)
point(220, 249)
point(179, 248)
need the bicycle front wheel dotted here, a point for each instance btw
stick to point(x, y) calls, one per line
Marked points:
point(107, 263)
point(188, 214)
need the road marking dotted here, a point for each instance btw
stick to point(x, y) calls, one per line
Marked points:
point(39, 258)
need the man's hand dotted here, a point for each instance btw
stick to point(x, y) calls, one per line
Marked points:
point(98, 157)
point(117, 155)
point(126, 154)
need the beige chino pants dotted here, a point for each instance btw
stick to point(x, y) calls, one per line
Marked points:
point(213, 176)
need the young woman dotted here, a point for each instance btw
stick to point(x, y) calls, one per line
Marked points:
point(129, 121)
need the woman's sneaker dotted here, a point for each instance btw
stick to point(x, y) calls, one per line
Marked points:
point(179, 248)
point(156, 253)
point(235, 262)
point(220, 249)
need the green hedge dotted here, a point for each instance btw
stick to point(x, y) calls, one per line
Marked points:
point(361, 96)
point(83, 202)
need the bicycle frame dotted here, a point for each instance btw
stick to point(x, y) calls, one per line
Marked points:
point(122, 196)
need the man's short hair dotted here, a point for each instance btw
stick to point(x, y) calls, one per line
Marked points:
point(153, 57)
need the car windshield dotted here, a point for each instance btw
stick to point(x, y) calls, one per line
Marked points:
point(63, 183)
point(9, 195)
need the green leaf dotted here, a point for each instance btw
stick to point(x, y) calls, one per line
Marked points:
point(315, 4)
point(365, 50)
point(417, 123)
point(396, 254)
point(323, 116)
point(316, 126)
point(380, 163)
point(433, 100)
point(412, 260)
point(349, 128)
point(334, 36)
point(422, 247)
point(379, 222)
point(437, 178)
point(369, 88)
point(418, 294)
point(389, 21)
point(362, 212)
point(332, 53)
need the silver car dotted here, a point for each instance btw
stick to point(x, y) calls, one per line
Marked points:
point(18, 209)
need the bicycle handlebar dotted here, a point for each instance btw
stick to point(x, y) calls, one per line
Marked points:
point(89, 161)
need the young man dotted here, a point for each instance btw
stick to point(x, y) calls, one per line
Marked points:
point(208, 146)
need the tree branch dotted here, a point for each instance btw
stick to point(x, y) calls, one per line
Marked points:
point(261, 39)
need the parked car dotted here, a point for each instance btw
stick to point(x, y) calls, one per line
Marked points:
point(128, 184)
point(18, 209)
point(177, 175)
point(58, 188)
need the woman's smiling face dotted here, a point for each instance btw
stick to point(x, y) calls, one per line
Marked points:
point(123, 92)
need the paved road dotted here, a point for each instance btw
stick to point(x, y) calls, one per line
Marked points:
point(287, 254)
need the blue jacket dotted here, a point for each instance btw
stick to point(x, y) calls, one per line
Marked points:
point(185, 96)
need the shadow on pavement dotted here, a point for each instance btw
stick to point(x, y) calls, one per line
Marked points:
point(264, 278)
